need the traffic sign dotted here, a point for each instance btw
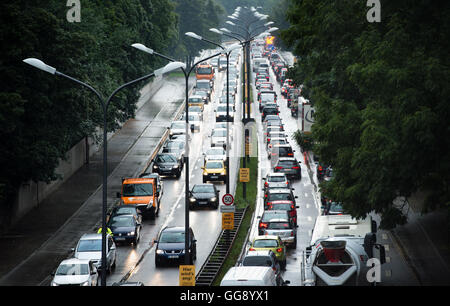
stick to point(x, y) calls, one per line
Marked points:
point(227, 221)
point(244, 175)
point(187, 275)
point(227, 199)
point(227, 209)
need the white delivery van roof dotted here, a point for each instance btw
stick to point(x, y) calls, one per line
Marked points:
point(340, 226)
point(249, 276)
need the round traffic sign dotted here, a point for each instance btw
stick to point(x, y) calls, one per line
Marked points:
point(227, 199)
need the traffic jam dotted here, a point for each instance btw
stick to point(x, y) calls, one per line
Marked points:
point(151, 207)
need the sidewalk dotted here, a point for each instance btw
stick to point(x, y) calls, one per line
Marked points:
point(41, 239)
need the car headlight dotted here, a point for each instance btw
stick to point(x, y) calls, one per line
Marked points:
point(155, 167)
point(205, 173)
point(54, 284)
point(213, 199)
point(175, 167)
point(223, 172)
point(86, 283)
point(131, 234)
point(192, 199)
point(159, 252)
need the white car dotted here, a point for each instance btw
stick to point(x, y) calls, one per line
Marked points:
point(215, 153)
point(90, 247)
point(219, 138)
point(194, 121)
point(221, 113)
point(177, 127)
point(75, 272)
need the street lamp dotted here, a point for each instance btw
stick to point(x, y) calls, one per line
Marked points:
point(42, 66)
point(187, 71)
point(230, 49)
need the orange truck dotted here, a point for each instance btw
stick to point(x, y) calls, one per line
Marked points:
point(141, 192)
point(205, 71)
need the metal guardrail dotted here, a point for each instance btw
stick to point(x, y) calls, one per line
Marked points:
point(208, 272)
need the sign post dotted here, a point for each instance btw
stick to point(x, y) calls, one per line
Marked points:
point(228, 214)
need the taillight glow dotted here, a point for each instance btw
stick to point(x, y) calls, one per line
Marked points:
point(278, 168)
point(296, 167)
point(279, 250)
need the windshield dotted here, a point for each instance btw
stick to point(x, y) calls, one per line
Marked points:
point(137, 190)
point(215, 152)
point(178, 125)
point(122, 222)
point(204, 85)
point(73, 269)
point(165, 159)
point(265, 243)
point(175, 144)
point(195, 109)
point(172, 237)
point(90, 245)
point(204, 70)
point(267, 97)
point(203, 189)
point(257, 261)
point(195, 100)
point(219, 133)
point(214, 165)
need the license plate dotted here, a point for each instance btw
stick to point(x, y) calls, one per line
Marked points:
point(173, 256)
point(214, 176)
point(202, 202)
point(120, 238)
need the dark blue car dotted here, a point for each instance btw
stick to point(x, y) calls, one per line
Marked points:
point(171, 244)
point(125, 228)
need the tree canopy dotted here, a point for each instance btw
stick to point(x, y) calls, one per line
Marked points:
point(43, 116)
point(380, 91)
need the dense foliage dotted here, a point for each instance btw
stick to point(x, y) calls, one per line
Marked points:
point(380, 91)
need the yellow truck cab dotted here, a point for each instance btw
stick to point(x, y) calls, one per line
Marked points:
point(141, 192)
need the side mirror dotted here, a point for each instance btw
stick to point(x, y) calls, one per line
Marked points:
point(292, 188)
point(297, 206)
point(296, 197)
point(118, 194)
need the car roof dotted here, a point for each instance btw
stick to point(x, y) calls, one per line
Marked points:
point(287, 158)
point(276, 174)
point(173, 229)
point(259, 253)
point(91, 236)
point(266, 237)
point(280, 190)
point(73, 260)
point(282, 145)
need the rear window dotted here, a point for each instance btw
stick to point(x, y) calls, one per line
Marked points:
point(284, 206)
point(279, 197)
point(265, 243)
point(258, 261)
point(283, 150)
point(276, 179)
point(287, 163)
point(278, 225)
point(204, 70)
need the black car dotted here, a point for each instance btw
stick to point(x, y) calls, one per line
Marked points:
point(269, 110)
point(176, 147)
point(281, 150)
point(125, 228)
point(289, 166)
point(127, 209)
point(204, 195)
point(167, 164)
point(170, 246)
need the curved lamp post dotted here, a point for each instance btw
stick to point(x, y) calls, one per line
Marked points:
point(187, 71)
point(42, 66)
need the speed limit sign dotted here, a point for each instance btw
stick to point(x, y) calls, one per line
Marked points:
point(227, 199)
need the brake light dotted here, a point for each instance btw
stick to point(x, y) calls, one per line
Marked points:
point(278, 168)
point(251, 249)
point(296, 167)
point(290, 154)
point(263, 225)
point(266, 184)
point(292, 233)
point(279, 250)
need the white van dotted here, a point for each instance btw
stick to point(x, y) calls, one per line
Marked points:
point(249, 276)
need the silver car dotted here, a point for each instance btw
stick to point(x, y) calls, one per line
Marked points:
point(75, 272)
point(219, 138)
point(90, 247)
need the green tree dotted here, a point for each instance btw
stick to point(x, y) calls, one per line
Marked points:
point(380, 92)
